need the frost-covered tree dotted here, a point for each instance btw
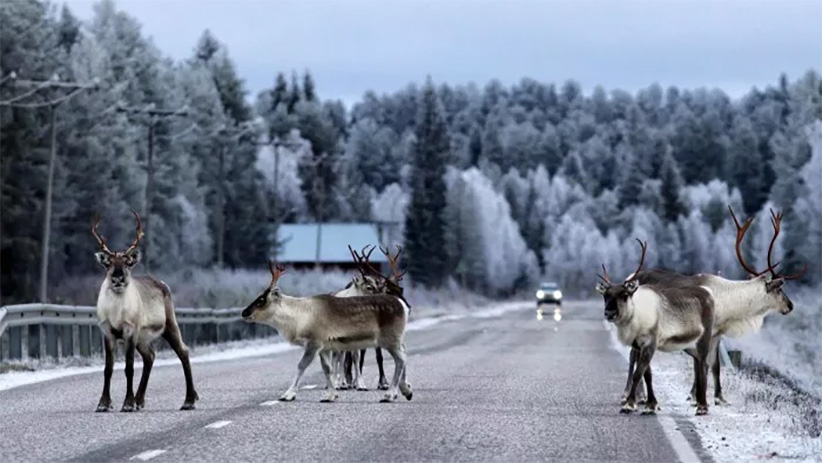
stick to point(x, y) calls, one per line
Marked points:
point(424, 229)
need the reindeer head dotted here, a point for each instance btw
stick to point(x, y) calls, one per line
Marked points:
point(372, 281)
point(617, 297)
point(268, 299)
point(118, 264)
point(772, 293)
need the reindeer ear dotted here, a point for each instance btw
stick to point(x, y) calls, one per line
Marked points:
point(602, 288)
point(773, 285)
point(631, 286)
point(134, 257)
point(103, 258)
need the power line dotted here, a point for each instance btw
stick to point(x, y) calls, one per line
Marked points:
point(154, 116)
point(36, 86)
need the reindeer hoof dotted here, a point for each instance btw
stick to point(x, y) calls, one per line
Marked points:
point(128, 408)
point(650, 409)
point(406, 391)
point(721, 401)
point(362, 388)
point(701, 410)
point(627, 408)
point(331, 396)
point(389, 397)
point(288, 396)
point(104, 408)
point(383, 386)
point(188, 406)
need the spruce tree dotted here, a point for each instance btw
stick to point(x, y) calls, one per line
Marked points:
point(425, 228)
point(671, 185)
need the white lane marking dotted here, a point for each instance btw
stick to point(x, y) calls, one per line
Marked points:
point(148, 455)
point(218, 424)
point(678, 441)
point(270, 403)
point(309, 386)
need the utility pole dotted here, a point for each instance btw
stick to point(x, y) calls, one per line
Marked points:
point(154, 116)
point(73, 88)
point(227, 135)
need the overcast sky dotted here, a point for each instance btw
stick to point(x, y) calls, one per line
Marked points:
point(353, 46)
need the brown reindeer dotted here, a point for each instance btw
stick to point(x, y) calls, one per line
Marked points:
point(660, 317)
point(135, 310)
point(324, 324)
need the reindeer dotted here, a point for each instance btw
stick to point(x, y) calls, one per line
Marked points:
point(135, 311)
point(382, 285)
point(323, 324)
point(741, 305)
point(660, 317)
point(370, 282)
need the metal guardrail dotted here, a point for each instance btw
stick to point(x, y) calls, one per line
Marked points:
point(50, 330)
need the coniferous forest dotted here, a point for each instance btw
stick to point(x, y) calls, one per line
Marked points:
point(492, 187)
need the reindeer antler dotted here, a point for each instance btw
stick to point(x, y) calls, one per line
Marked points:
point(276, 272)
point(776, 222)
point(139, 233)
point(362, 260)
point(100, 239)
point(392, 262)
point(604, 277)
point(644, 246)
point(740, 235)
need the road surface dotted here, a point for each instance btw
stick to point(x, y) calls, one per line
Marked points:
point(510, 388)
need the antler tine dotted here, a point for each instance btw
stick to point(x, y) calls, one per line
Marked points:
point(604, 278)
point(367, 256)
point(740, 235)
point(100, 239)
point(644, 246)
point(797, 275)
point(357, 260)
point(276, 272)
point(367, 264)
point(139, 232)
point(776, 222)
point(392, 262)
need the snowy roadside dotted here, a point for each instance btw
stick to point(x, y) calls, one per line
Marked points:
point(48, 370)
point(766, 420)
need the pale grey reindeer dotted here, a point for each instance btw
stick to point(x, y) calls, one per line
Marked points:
point(660, 317)
point(373, 282)
point(135, 310)
point(741, 305)
point(370, 282)
point(323, 324)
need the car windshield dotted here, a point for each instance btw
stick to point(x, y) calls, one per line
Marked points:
point(548, 286)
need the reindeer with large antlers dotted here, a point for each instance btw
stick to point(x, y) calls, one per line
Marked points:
point(324, 324)
point(660, 317)
point(135, 310)
point(371, 281)
point(741, 305)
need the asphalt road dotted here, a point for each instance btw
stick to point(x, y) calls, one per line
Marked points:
point(510, 388)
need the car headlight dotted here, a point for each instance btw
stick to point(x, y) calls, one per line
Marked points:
point(540, 294)
point(557, 294)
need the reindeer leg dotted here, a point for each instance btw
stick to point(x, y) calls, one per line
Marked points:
point(308, 357)
point(631, 363)
point(719, 399)
point(405, 388)
point(646, 352)
point(398, 353)
point(704, 350)
point(382, 383)
point(128, 403)
point(356, 363)
point(105, 398)
point(651, 405)
point(346, 379)
point(148, 361)
point(331, 393)
point(175, 340)
point(695, 356)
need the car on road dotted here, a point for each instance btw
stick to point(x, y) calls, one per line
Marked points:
point(549, 293)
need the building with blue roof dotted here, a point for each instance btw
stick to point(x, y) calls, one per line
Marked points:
point(306, 245)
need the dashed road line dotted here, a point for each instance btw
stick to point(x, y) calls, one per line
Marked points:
point(309, 386)
point(148, 455)
point(218, 424)
point(270, 403)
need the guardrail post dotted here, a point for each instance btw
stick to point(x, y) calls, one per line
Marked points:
point(85, 342)
point(52, 339)
point(67, 341)
point(15, 342)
